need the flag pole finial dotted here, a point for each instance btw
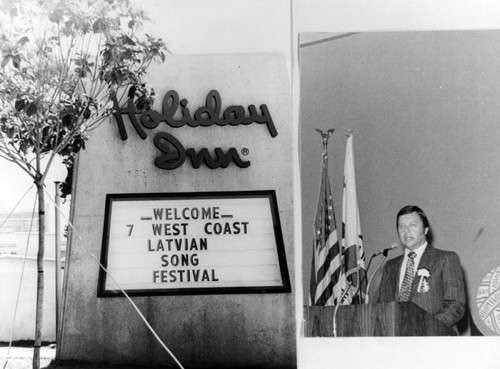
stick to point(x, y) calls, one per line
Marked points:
point(325, 135)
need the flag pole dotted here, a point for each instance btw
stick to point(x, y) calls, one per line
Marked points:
point(326, 256)
point(325, 136)
point(352, 240)
point(350, 133)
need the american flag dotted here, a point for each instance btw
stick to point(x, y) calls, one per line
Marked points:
point(352, 239)
point(327, 281)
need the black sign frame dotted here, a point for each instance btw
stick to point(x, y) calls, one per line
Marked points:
point(285, 286)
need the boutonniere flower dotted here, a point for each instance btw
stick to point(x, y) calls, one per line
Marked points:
point(423, 284)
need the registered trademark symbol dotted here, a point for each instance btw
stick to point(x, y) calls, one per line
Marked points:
point(245, 151)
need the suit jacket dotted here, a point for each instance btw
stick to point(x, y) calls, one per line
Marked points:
point(446, 296)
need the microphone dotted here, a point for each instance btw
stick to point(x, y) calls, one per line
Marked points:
point(365, 277)
point(384, 251)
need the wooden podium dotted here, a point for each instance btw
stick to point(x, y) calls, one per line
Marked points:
point(388, 319)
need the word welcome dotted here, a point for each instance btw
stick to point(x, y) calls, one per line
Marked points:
point(211, 212)
point(173, 154)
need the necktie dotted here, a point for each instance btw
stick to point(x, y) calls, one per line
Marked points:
point(404, 292)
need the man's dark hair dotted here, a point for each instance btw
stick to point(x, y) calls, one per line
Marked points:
point(408, 209)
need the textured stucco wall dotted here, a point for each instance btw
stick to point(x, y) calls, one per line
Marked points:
point(206, 330)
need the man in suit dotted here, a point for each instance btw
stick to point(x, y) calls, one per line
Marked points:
point(428, 277)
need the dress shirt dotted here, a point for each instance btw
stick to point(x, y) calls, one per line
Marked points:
point(419, 251)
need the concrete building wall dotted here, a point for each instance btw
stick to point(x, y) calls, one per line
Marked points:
point(244, 330)
point(24, 238)
point(11, 267)
point(12, 252)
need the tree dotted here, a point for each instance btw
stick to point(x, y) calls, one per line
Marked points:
point(65, 65)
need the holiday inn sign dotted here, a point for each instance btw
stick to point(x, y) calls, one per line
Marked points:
point(193, 243)
point(172, 152)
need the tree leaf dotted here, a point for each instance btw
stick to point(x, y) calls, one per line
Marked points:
point(13, 12)
point(56, 16)
point(16, 61)
point(99, 26)
point(19, 104)
point(6, 60)
point(23, 41)
point(31, 109)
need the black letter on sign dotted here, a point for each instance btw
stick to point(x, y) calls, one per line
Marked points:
point(174, 153)
point(203, 156)
point(232, 154)
point(130, 111)
point(221, 160)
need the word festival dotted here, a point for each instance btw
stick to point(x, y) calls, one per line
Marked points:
point(173, 154)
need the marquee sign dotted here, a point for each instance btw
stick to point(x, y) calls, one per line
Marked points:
point(176, 113)
point(193, 243)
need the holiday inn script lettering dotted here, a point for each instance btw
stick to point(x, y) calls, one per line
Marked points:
point(173, 154)
point(227, 242)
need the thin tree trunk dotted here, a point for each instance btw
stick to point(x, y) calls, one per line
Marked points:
point(40, 277)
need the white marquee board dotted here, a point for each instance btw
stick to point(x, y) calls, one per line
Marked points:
point(192, 243)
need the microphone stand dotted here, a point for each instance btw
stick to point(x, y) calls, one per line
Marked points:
point(363, 280)
point(337, 308)
point(384, 254)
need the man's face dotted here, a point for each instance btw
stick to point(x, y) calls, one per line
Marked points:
point(411, 231)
